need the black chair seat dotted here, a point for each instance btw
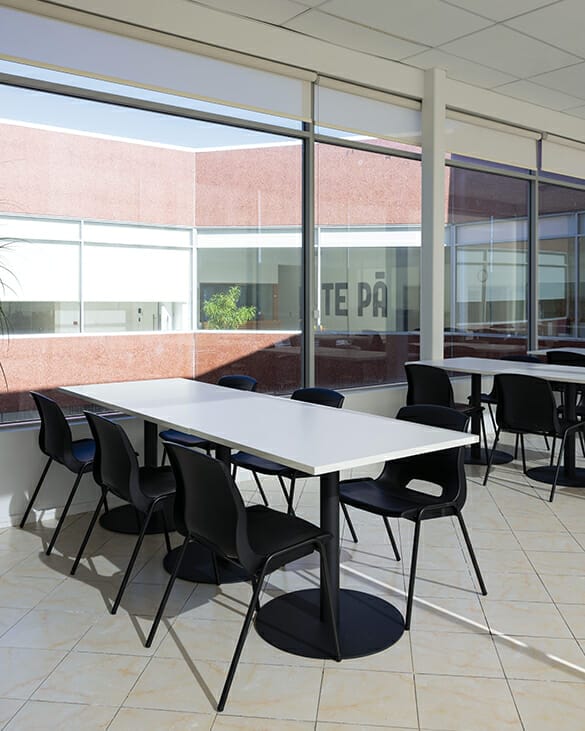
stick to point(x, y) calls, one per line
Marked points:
point(184, 439)
point(84, 451)
point(259, 464)
point(367, 495)
point(157, 482)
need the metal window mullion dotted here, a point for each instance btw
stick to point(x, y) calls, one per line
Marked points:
point(533, 258)
point(81, 283)
point(309, 298)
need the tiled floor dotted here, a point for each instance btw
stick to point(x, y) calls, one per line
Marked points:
point(512, 660)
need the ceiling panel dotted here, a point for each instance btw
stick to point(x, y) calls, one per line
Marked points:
point(350, 35)
point(429, 22)
point(542, 95)
point(460, 69)
point(509, 51)
point(560, 24)
point(570, 80)
point(269, 11)
point(499, 9)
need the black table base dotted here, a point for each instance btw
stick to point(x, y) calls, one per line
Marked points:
point(198, 566)
point(480, 458)
point(574, 478)
point(125, 519)
point(367, 624)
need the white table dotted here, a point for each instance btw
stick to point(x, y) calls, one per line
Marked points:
point(570, 475)
point(313, 439)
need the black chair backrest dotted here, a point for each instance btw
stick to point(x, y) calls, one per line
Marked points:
point(428, 385)
point(565, 357)
point(209, 507)
point(323, 396)
point(55, 438)
point(115, 466)
point(525, 403)
point(240, 382)
point(445, 468)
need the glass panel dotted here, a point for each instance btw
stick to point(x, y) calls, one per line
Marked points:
point(486, 264)
point(368, 247)
point(561, 266)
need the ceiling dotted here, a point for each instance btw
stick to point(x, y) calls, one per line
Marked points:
point(532, 50)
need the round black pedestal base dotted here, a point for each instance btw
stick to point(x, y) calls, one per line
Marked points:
point(198, 566)
point(124, 519)
point(367, 624)
point(499, 457)
point(576, 478)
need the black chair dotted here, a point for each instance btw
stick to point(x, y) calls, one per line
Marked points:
point(209, 510)
point(174, 436)
point(116, 470)
point(431, 385)
point(258, 465)
point(392, 495)
point(526, 405)
point(56, 442)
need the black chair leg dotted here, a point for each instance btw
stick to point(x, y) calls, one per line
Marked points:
point(286, 494)
point(412, 577)
point(88, 534)
point(557, 470)
point(241, 640)
point(516, 446)
point(167, 593)
point(471, 553)
point(215, 568)
point(492, 417)
point(36, 492)
point(391, 537)
point(260, 489)
point(166, 530)
point(349, 523)
point(523, 453)
point(484, 432)
point(291, 495)
point(491, 457)
point(64, 513)
point(133, 558)
point(552, 451)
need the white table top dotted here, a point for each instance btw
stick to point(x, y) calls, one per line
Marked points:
point(492, 366)
point(313, 439)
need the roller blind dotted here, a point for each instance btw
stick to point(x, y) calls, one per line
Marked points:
point(64, 46)
point(368, 112)
point(563, 156)
point(487, 140)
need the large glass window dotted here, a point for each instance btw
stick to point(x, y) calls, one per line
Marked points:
point(486, 263)
point(368, 254)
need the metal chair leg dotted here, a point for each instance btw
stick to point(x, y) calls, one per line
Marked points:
point(412, 577)
point(349, 522)
point(391, 537)
point(36, 492)
point(167, 593)
point(523, 453)
point(133, 558)
point(491, 457)
point(64, 513)
point(88, 534)
point(166, 530)
point(291, 496)
point(471, 552)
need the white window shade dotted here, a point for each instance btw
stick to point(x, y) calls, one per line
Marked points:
point(64, 46)
point(486, 140)
point(563, 156)
point(371, 113)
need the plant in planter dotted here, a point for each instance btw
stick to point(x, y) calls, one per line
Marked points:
point(223, 313)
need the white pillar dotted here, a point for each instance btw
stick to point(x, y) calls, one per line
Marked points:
point(432, 274)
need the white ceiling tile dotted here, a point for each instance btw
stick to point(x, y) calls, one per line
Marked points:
point(429, 22)
point(570, 80)
point(509, 51)
point(460, 69)
point(542, 95)
point(561, 25)
point(577, 112)
point(310, 3)
point(268, 11)
point(499, 9)
point(350, 35)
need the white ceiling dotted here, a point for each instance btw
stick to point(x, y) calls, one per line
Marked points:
point(532, 50)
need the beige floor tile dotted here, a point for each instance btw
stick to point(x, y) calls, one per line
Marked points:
point(224, 722)
point(122, 634)
point(449, 615)
point(227, 602)
point(565, 589)
point(178, 684)
point(444, 653)
point(437, 584)
point(23, 670)
point(79, 595)
point(360, 696)
point(515, 587)
point(95, 679)
point(131, 719)
point(48, 630)
point(566, 563)
point(542, 658)
point(323, 726)
point(546, 522)
point(536, 619)
point(503, 561)
point(396, 659)
point(495, 540)
point(532, 541)
point(574, 616)
point(8, 709)
point(45, 716)
point(9, 616)
point(22, 592)
point(461, 704)
point(546, 705)
point(10, 559)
